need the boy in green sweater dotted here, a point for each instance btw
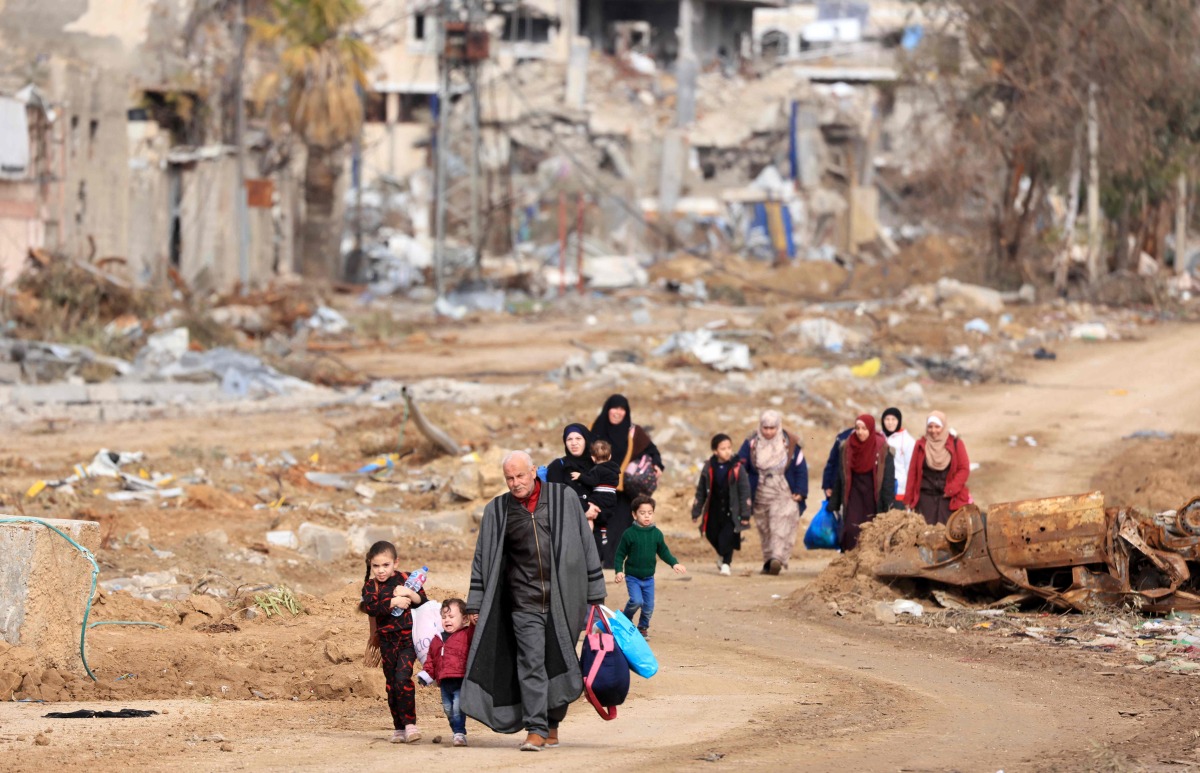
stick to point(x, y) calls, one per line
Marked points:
point(642, 544)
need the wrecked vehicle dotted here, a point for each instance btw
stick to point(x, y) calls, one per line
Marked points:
point(1069, 550)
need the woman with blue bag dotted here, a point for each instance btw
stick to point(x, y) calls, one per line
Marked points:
point(778, 473)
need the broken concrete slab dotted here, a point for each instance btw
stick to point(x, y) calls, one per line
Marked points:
point(362, 537)
point(954, 295)
point(321, 542)
point(467, 483)
point(44, 588)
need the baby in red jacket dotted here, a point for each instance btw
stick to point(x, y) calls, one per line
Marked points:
point(447, 663)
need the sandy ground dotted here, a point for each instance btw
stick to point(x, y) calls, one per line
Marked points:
point(743, 674)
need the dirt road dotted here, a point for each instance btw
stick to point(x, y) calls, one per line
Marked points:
point(742, 676)
point(746, 676)
point(1076, 409)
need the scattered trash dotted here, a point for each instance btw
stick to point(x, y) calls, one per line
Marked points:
point(327, 321)
point(1090, 331)
point(723, 356)
point(330, 480)
point(1149, 434)
point(907, 607)
point(867, 369)
point(100, 714)
point(977, 325)
point(1041, 353)
point(283, 539)
point(1030, 441)
point(144, 486)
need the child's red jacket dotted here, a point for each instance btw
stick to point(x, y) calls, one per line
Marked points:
point(448, 654)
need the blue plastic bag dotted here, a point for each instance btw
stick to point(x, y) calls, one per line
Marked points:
point(641, 660)
point(822, 533)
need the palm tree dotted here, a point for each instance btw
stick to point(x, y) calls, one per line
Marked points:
point(321, 68)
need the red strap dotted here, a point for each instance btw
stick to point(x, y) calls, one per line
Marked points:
point(602, 644)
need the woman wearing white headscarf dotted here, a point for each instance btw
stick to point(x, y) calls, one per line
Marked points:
point(778, 474)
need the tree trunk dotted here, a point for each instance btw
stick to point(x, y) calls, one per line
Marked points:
point(1095, 226)
point(321, 232)
point(1062, 266)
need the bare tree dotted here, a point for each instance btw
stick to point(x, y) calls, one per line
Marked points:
point(1034, 73)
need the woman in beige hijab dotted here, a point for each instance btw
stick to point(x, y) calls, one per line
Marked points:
point(778, 474)
point(938, 472)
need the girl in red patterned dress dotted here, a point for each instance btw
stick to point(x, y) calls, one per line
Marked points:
point(384, 590)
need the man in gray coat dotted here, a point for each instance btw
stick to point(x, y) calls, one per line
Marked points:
point(534, 574)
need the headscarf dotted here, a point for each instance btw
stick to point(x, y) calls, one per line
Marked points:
point(863, 452)
point(616, 434)
point(770, 454)
point(937, 456)
point(899, 421)
point(583, 462)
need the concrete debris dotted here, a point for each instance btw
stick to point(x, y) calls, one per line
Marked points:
point(827, 334)
point(321, 542)
point(612, 272)
point(961, 297)
point(166, 357)
point(703, 345)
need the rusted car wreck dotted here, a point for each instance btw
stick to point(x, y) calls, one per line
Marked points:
point(1070, 551)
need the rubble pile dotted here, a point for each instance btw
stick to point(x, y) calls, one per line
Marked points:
point(849, 583)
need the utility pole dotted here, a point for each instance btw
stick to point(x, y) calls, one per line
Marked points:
point(241, 205)
point(473, 78)
point(443, 134)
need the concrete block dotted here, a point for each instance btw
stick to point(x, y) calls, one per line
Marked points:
point(361, 538)
point(44, 586)
point(321, 542)
point(10, 372)
point(104, 393)
point(58, 393)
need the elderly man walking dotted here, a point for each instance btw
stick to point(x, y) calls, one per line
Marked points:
point(534, 574)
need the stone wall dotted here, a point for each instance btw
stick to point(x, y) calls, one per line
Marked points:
point(44, 584)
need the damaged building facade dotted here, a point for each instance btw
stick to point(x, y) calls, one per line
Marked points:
point(121, 169)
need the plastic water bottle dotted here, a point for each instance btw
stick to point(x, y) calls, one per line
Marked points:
point(415, 582)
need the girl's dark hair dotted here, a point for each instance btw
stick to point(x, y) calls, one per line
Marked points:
point(638, 501)
point(462, 606)
point(378, 549)
point(720, 438)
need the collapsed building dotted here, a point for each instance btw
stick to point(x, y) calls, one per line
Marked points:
point(606, 129)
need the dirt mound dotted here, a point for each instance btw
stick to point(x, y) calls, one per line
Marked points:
point(1154, 473)
point(205, 497)
point(209, 648)
point(922, 262)
point(849, 581)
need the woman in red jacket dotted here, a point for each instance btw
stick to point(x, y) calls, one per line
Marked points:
point(937, 474)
